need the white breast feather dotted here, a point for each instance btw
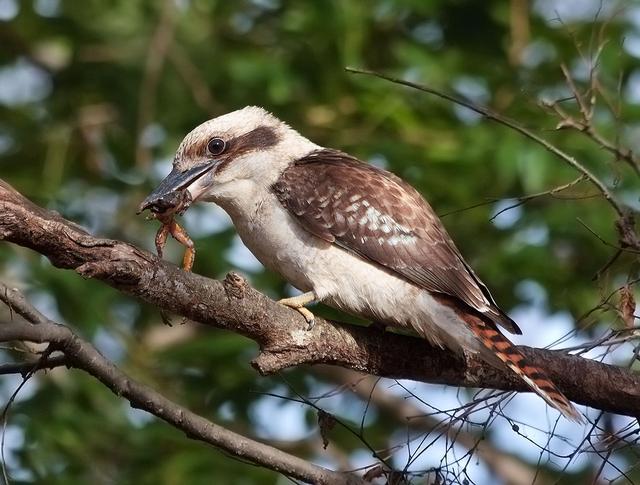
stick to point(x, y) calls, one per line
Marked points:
point(342, 279)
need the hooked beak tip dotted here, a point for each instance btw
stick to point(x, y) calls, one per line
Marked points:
point(172, 193)
point(142, 207)
point(153, 201)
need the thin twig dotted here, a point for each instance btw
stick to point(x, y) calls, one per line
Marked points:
point(604, 241)
point(584, 109)
point(526, 198)
point(514, 125)
point(585, 125)
point(402, 410)
point(15, 301)
point(522, 199)
point(82, 355)
point(23, 368)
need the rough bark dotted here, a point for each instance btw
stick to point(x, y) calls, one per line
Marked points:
point(280, 332)
point(82, 355)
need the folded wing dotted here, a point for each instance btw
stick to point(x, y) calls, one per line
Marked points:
point(375, 214)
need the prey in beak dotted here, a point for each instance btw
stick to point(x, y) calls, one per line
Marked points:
point(168, 195)
point(172, 198)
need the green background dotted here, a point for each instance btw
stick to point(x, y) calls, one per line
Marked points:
point(95, 96)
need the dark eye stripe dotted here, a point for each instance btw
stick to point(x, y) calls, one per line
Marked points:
point(260, 138)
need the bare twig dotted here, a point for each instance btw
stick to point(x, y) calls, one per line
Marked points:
point(605, 242)
point(4, 417)
point(584, 109)
point(514, 125)
point(24, 368)
point(82, 355)
point(523, 199)
point(507, 467)
point(526, 198)
point(585, 124)
point(16, 302)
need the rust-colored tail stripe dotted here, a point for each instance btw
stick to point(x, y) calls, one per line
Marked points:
point(535, 377)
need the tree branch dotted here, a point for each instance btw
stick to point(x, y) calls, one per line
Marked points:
point(280, 332)
point(514, 125)
point(24, 368)
point(82, 355)
point(509, 468)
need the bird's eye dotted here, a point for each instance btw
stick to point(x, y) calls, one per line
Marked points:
point(216, 146)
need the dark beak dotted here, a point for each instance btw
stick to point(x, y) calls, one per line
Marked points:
point(164, 197)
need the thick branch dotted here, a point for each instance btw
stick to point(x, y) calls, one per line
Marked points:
point(82, 355)
point(279, 331)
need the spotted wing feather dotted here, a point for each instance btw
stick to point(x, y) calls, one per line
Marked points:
point(377, 215)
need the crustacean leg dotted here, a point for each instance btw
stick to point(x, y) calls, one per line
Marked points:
point(180, 235)
point(161, 238)
point(170, 226)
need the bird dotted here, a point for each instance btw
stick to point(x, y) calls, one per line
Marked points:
point(348, 234)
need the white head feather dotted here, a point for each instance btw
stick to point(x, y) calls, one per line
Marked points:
point(242, 171)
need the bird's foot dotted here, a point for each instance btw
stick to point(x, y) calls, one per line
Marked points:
point(298, 303)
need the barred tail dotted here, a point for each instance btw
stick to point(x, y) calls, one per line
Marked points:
point(535, 377)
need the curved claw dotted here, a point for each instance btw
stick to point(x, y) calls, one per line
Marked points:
point(298, 303)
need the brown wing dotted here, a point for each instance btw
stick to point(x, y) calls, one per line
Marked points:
point(378, 216)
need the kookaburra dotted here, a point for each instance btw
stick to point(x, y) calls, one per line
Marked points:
point(345, 233)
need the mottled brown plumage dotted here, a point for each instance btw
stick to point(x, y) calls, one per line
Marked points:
point(353, 236)
point(379, 216)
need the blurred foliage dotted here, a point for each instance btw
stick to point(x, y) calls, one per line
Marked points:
point(96, 95)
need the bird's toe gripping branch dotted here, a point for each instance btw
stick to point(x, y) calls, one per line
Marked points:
point(298, 303)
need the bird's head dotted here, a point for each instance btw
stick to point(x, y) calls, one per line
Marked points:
point(227, 156)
